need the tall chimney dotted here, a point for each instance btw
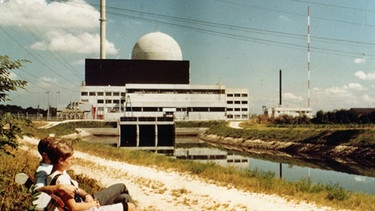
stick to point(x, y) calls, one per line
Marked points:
point(280, 88)
point(102, 29)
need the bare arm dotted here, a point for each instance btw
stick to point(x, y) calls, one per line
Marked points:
point(81, 206)
point(68, 190)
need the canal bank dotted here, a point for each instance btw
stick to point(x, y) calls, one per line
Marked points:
point(350, 159)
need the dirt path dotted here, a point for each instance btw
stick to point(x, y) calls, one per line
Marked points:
point(153, 189)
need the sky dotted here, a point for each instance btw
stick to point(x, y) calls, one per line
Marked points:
point(238, 43)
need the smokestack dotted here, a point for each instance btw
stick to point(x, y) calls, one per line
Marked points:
point(280, 88)
point(102, 29)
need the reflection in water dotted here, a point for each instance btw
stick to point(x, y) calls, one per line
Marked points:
point(205, 154)
point(195, 149)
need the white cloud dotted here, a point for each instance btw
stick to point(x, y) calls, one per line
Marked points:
point(292, 97)
point(83, 43)
point(70, 26)
point(360, 74)
point(354, 86)
point(365, 76)
point(30, 14)
point(368, 99)
point(337, 92)
point(359, 60)
point(47, 82)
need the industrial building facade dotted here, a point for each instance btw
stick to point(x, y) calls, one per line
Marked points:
point(154, 83)
point(184, 102)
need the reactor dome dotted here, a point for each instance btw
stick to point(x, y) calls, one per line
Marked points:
point(156, 46)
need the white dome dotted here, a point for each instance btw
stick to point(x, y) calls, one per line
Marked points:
point(156, 46)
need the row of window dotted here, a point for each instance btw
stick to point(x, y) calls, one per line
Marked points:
point(230, 116)
point(108, 101)
point(236, 109)
point(188, 109)
point(237, 95)
point(178, 91)
point(244, 102)
point(103, 94)
point(116, 101)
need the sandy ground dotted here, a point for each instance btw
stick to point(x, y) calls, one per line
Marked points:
point(153, 189)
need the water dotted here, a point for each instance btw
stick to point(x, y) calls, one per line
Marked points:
point(194, 149)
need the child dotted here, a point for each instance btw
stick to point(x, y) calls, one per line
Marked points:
point(60, 154)
point(40, 178)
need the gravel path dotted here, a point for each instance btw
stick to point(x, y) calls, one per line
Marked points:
point(154, 189)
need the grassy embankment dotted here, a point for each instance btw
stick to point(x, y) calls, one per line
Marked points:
point(351, 135)
point(254, 181)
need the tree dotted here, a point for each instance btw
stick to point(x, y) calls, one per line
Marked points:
point(8, 125)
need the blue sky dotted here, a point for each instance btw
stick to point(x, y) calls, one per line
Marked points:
point(239, 43)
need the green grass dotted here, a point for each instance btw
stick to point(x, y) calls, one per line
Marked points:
point(354, 135)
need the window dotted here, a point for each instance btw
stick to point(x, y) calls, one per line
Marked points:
point(116, 93)
point(229, 95)
point(116, 101)
point(108, 93)
point(100, 93)
point(237, 102)
point(101, 101)
point(244, 95)
point(244, 102)
point(92, 93)
point(244, 109)
point(84, 93)
point(237, 95)
point(150, 109)
point(108, 101)
point(229, 102)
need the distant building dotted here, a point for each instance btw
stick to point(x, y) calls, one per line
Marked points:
point(156, 82)
point(276, 112)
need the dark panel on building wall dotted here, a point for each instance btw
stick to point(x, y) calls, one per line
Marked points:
point(120, 72)
point(166, 135)
point(128, 136)
point(147, 135)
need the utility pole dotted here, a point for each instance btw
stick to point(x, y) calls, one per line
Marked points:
point(48, 110)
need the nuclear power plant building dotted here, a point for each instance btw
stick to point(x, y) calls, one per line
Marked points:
point(156, 82)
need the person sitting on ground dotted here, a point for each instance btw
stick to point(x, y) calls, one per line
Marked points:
point(61, 156)
point(40, 178)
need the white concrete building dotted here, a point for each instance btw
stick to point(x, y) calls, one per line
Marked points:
point(156, 82)
point(276, 112)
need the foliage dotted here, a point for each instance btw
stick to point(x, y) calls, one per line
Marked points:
point(8, 127)
point(14, 196)
point(344, 116)
point(9, 131)
point(14, 109)
point(6, 83)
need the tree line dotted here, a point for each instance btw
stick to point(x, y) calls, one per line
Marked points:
point(341, 116)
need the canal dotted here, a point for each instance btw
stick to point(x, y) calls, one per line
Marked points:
point(195, 149)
